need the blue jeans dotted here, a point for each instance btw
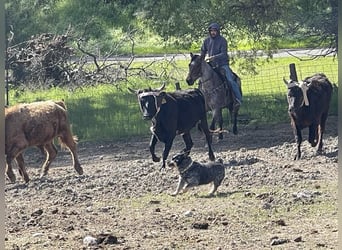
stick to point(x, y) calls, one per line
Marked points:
point(234, 85)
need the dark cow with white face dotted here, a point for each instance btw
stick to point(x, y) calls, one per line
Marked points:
point(309, 102)
point(172, 114)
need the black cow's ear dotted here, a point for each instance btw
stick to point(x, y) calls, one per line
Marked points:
point(162, 95)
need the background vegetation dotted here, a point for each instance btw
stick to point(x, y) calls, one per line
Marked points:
point(179, 25)
point(144, 27)
point(108, 112)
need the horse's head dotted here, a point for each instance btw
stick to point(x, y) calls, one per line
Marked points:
point(195, 69)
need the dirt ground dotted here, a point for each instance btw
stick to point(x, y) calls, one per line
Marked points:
point(123, 201)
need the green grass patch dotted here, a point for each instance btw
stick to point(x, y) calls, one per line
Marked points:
point(111, 112)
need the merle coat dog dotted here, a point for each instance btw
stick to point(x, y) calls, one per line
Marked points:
point(192, 173)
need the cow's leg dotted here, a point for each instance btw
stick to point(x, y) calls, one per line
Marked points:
point(313, 134)
point(167, 148)
point(188, 142)
point(21, 166)
point(213, 123)
point(321, 132)
point(204, 126)
point(68, 140)
point(9, 169)
point(12, 152)
point(299, 139)
point(51, 153)
point(152, 146)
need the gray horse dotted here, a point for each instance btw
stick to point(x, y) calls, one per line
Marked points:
point(216, 94)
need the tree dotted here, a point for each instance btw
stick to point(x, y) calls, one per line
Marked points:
point(263, 22)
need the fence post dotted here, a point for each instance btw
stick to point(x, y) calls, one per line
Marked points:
point(293, 72)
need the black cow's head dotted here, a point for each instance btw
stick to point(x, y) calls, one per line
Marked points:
point(296, 94)
point(150, 101)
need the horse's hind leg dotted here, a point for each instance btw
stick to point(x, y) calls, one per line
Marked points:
point(233, 118)
point(234, 122)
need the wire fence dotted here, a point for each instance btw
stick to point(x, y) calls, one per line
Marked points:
point(116, 115)
point(266, 92)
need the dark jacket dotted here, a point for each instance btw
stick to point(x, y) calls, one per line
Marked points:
point(216, 46)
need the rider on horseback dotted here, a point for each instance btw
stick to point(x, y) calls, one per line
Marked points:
point(215, 46)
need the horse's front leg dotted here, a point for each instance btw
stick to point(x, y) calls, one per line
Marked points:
point(217, 118)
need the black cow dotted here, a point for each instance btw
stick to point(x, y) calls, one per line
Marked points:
point(171, 114)
point(309, 103)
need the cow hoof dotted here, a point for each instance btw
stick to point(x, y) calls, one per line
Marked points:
point(26, 179)
point(212, 157)
point(156, 159)
point(296, 158)
point(79, 170)
point(11, 177)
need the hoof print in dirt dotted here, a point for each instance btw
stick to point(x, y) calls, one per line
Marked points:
point(200, 225)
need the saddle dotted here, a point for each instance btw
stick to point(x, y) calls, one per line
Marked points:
point(221, 73)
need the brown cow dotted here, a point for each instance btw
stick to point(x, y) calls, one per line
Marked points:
point(37, 124)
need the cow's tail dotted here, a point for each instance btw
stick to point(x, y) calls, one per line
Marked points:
point(63, 145)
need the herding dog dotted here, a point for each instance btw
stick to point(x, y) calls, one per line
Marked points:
point(192, 173)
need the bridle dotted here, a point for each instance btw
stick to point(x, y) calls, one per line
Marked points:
point(156, 100)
